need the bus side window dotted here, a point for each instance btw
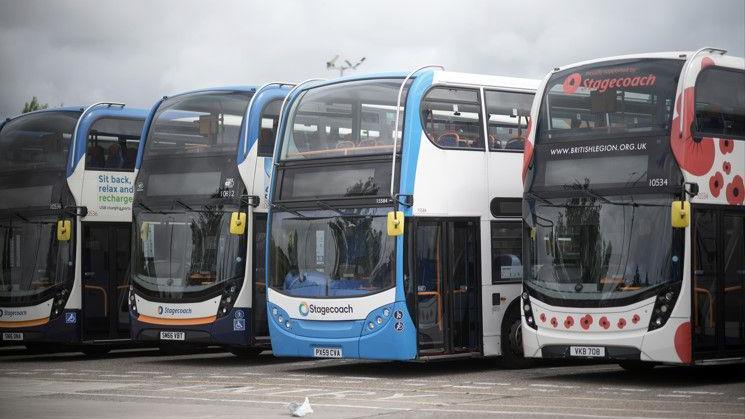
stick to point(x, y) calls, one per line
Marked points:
point(508, 116)
point(268, 128)
point(451, 118)
point(112, 144)
point(720, 103)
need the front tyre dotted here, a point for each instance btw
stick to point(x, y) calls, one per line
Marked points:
point(513, 356)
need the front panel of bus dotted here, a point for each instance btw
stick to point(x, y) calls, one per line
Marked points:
point(187, 266)
point(36, 269)
point(604, 267)
point(333, 289)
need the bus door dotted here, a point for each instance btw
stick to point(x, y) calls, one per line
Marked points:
point(718, 276)
point(106, 251)
point(260, 329)
point(447, 286)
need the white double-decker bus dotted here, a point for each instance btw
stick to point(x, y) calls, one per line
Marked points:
point(395, 217)
point(66, 186)
point(633, 211)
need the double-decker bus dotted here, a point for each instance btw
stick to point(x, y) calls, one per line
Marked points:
point(633, 211)
point(66, 179)
point(385, 242)
point(200, 219)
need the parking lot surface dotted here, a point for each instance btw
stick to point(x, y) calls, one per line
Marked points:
point(215, 384)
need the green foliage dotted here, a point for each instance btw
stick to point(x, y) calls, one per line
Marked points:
point(33, 105)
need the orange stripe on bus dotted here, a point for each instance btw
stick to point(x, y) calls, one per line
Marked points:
point(176, 322)
point(27, 323)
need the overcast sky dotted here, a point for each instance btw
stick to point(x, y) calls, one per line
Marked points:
point(77, 52)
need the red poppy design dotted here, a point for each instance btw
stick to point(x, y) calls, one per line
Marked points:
point(554, 322)
point(586, 321)
point(527, 150)
point(736, 191)
point(604, 323)
point(542, 317)
point(716, 183)
point(694, 156)
point(727, 167)
point(706, 62)
point(726, 145)
point(571, 83)
point(569, 322)
point(621, 323)
point(635, 319)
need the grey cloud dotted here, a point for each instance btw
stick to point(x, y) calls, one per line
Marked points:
point(77, 52)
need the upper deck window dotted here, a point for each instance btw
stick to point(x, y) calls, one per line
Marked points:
point(345, 119)
point(508, 118)
point(451, 118)
point(606, 99)
point(720, 103)
point(112, 144)
point(198, 123)
point(268, 128)
point(37, 141)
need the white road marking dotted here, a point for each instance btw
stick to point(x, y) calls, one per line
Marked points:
point(705, 393)
point(682, 396)
point(118, 375)
point(553, 385)
point(490, 384)
point(146, 372)
point(624, 389)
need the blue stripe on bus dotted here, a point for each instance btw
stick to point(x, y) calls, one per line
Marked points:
point(263, 98)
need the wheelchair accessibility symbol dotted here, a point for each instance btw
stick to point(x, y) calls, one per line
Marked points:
point(399, 326)
point(71, 317)
point(239, 324)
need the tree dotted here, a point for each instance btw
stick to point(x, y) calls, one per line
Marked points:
point(33, 105)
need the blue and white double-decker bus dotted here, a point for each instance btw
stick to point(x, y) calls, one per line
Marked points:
point(200, 219)
point(66, 179)
point(394, 224)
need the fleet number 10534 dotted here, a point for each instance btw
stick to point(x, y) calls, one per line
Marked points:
point(658, 182)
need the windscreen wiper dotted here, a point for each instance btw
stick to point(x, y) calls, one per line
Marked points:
point(18, 214)
point(284, 208)
point(183, 205)
point(141, 205)
point(330, 208)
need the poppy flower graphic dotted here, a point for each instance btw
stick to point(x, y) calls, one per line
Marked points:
point(736, 191)
point(695, 156)
point(726, 145)
point(716, 183)
point(604, 323)
point(635, 319)
point(554, 322)
point(706, 62)
point(571, 83)
point(569, 322)
point(542, 317)
point(727, 167)
point(586, 321)
point(621, 323)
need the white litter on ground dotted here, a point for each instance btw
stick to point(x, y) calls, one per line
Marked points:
point(300, 410)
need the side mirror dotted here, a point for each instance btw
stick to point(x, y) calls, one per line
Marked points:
point(680, 214)
point(238, 223)
point(64, 230)
point(395, 223)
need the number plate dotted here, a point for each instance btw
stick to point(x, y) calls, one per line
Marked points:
point(172, 335)
point(587, 351)
point(327, 352)
point(13, 336)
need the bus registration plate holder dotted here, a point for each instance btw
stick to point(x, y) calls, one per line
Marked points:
point(327, 352)
point(13, 336)
point(168, 335)
point(587, 351)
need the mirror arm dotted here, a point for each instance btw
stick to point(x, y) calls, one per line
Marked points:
point(78, 211)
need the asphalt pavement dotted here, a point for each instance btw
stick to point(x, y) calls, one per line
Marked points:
point(148, 383)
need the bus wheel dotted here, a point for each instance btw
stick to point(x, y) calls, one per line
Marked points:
point(245, 353)
point(636, 366)
point(512, 342)
point(95, 351)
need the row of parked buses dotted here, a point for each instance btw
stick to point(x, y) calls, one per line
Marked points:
point(399, 216)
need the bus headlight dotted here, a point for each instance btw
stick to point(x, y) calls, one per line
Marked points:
point(227, 300)
point(58, 304)
point(528, 310)
point(663, 306)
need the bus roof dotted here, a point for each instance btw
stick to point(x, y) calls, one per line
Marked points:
point(675, 55)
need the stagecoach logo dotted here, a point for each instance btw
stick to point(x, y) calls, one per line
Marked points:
point(306, 309)
point(602, 80)
point(10, 313)
point(170, 311)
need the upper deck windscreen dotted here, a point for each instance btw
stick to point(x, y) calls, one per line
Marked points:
point(345, 119)
point(39, 141)
point(198, 123)
point(613, 98)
